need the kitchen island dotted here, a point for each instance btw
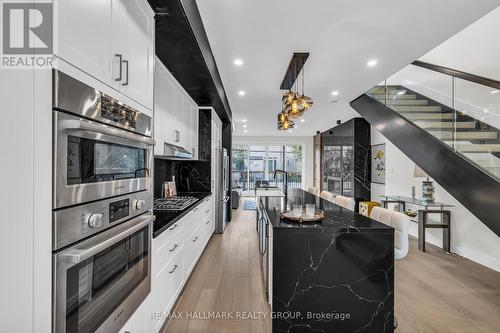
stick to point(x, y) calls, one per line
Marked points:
point(333, 276)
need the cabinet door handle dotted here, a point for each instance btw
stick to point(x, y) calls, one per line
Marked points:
point(173, 227)
point(207, 211)
point(195, 239)
point(173, 249)
point(207, 222)
point(120, 58)
point(173, 270)
point(126, 65)
point(177, 136)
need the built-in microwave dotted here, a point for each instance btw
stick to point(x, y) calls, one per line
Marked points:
point(102, 148)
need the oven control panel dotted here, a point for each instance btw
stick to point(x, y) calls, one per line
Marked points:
point(118, 210)
point(78, 222)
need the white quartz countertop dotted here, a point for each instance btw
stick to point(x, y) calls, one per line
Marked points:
point(269, 193)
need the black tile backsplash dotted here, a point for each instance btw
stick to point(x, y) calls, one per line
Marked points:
point(190, 176)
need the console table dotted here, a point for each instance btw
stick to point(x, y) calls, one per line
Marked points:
point(429, 208)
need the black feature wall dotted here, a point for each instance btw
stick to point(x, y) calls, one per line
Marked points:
point(190, 176)
point(352, 141)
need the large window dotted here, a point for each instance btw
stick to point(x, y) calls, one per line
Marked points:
point(257, 163)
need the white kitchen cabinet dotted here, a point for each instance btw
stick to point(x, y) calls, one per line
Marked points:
point(195, 120)
point(86, 46)
point(176, 114)
point(134, 39)
point(140, 321)
point(106, 38)
point(175, 253)
point(160, 110)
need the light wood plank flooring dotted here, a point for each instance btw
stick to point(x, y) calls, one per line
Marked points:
point(439, 292)
point(435, 292)
point(226, 279)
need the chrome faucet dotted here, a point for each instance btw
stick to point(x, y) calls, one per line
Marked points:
point(285, 185)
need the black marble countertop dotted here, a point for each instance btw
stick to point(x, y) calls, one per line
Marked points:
point(164, 219)
point(336, 217)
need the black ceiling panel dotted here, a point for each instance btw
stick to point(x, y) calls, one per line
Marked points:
point(182, 45)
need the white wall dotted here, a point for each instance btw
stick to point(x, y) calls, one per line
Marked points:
point(307, 143)
point(475, 49)
point(470, 238)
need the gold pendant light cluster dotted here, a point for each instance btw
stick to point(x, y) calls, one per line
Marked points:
point(294, 104)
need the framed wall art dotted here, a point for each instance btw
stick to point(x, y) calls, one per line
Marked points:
point(378, 164)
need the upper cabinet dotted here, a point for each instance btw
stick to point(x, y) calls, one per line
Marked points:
point(175, 114)
point(134, 39)
point(111, 40)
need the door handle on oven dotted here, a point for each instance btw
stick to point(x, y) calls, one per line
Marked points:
point(78, 255)
point(173, 270)
point(85, 125)
point(173, 249)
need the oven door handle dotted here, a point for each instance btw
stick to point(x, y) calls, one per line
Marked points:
point(86, 126)
point(78, 255)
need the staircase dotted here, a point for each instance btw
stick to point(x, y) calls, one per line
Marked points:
point(460, 152)
point(477, 141)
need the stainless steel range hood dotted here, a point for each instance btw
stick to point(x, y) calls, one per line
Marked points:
point(175, 152)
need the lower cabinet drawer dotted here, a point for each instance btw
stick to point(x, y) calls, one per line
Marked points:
point(165, 290)
point(193, 248)
point(168, 234)
point(208, 227)
point(163, 253)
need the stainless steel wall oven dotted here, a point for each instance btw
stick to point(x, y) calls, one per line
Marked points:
point(102, 209)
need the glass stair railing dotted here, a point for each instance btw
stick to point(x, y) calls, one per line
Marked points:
point(463, 114)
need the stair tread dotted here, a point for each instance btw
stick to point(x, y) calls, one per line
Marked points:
point(473, 135)
point(393, 97)
point(416, 108)
point(428, 116)
point(445, 124)
point(471, 147)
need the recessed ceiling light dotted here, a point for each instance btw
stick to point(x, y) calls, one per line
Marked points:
point(245, 131)
point(372, 63)
point(244, 126)
point(296, 126)
point(302, 120)
point(495, 91)
point(244, 120)
point(289, 131)
point(335, 93)
point(402, 92)
point(242, 93)
point(238, 62)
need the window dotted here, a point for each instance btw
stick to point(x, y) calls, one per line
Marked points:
point(252, 163)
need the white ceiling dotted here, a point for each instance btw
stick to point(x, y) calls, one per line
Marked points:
point(341, 35)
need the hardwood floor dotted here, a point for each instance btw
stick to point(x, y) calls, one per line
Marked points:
point(435, 292)
point(226, 280)
point(439, 292)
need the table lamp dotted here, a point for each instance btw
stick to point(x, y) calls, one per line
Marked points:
point(427, 186)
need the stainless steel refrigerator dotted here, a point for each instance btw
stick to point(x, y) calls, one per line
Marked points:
point(221, 189)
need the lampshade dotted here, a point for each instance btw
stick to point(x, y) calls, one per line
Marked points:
point(419, 173)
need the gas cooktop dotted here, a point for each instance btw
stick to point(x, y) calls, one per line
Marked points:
point(174, 203)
